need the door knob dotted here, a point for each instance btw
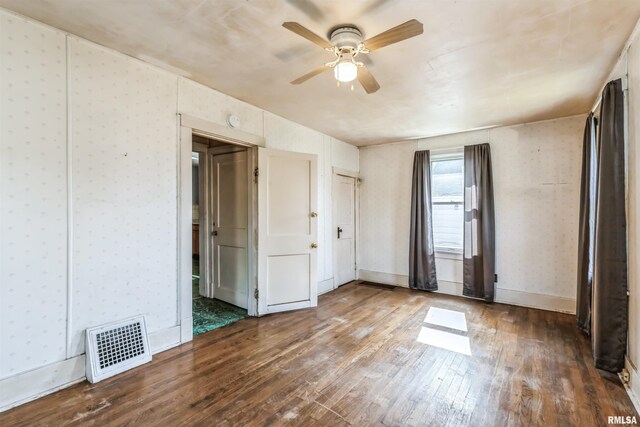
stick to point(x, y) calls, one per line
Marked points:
point(313, 214)
point(214, 233)
point(339, 231)
point(314, 245)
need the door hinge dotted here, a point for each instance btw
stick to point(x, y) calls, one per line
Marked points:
point(256, 293)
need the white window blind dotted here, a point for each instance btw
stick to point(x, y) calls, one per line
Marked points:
point(447, 198)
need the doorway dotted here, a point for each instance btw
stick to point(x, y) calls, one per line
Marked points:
point(220, 227)
point(283, 188)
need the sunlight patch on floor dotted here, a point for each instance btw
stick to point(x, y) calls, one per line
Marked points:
point(445, 340)
point(446, 329)
point(447, 318)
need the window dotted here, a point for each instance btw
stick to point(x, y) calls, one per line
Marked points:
point(447, 199)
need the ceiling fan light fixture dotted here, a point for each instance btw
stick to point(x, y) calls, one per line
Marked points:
point(346, 43)
point(345, 71)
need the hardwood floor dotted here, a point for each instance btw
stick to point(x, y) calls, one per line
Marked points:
point(356, 360)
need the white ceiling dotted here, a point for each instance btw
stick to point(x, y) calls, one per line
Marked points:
point(479, 63)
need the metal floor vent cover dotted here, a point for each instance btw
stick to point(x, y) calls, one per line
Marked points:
point(116, 347)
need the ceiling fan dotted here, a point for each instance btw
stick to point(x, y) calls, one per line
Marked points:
point(345, 42)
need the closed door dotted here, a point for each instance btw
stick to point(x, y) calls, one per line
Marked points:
point(229, 227)
point(287, 230)
point(344, 191)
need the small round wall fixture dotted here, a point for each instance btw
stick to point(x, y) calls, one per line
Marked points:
point(233, 121)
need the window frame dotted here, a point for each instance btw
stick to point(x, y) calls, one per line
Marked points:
point(439, 156)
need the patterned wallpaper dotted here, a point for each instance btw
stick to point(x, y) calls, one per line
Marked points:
point(33, 206)
point(536, 178)
point(208, 104)
point(123, 137)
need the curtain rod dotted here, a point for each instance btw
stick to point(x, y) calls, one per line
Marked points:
point(624, 89)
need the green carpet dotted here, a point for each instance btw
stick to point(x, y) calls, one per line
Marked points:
point(209, 314)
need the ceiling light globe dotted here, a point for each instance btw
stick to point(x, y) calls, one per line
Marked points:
point(345, 71)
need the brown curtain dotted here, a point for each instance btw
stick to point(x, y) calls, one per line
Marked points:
point(422, 261)
point(609, 311)
point(586, 228)
point(479, 224)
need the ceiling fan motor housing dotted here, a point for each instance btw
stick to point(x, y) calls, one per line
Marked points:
point(346, 37)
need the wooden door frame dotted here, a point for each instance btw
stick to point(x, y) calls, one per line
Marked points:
point(334, 219)
point(188, 126)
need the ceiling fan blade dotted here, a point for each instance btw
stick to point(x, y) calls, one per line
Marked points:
point(307, 76)
point(307, 34)
point(404, 31)
point(367, 80)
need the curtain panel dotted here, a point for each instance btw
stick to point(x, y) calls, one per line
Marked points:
point(609, 315)
point(479, 224)
point(422, 261)
point(586, 227)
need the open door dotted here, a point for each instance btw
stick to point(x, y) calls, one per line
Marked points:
point(229, 227)
point(287, 231)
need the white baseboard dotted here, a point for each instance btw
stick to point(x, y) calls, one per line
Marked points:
point(633, 387)
point(30, 385)
point(384, 278)
point(505, 296)
point(532, 300)
point(164, 339)
point(27, 386)
point(325, 286)
point(186, 330)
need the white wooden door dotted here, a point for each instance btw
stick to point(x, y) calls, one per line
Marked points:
point(344, 204)
point(229, 227)
point(287, 230)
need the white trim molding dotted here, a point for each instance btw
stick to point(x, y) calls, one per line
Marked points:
point(186, 330)
point(401, 280)
point(503, 295)
point(190, 126)
point(164, 339)
point(533, 300)
point(325, 286)
point(31, 385)
point(345, 172)
point(220, 133)
point(633, 386)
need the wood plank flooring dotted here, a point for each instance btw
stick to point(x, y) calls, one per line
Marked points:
point(355, 360)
